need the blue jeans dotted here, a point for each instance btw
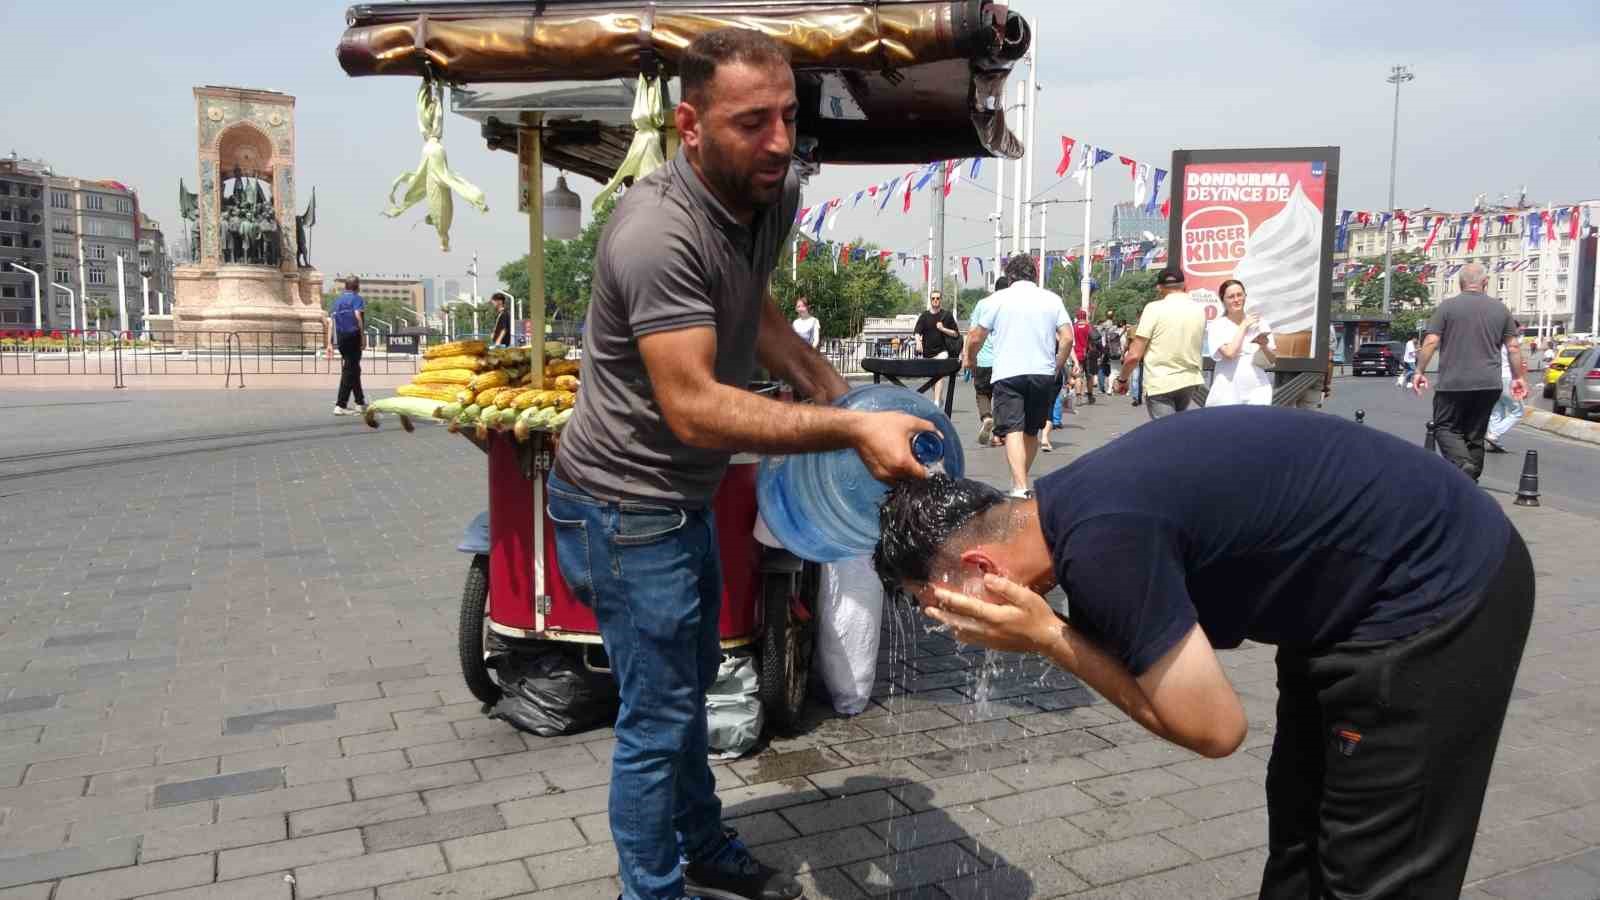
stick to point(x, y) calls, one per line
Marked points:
point(653, 577)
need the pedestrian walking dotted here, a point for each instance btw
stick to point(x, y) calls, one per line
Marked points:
point(983, 370)
point(1508, 410)
point(937, 337)
point(1033, 341)
point(806, 325)
point(1398, 596)
point(1469, 332)
point(1081, 329)
point(1167, 345)
point(679, 317)
point(1408, 364)
point(347, 331)
point(1242, 349)
point(1136, 383)
point(501, 335)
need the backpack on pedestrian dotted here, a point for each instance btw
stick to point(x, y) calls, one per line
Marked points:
point(1114, 344)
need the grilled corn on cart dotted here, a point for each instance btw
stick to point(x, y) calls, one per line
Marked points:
point(583, 85)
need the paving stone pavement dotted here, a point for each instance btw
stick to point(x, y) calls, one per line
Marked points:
point(230, 672)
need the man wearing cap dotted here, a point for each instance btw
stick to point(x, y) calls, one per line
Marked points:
point(1167, 343)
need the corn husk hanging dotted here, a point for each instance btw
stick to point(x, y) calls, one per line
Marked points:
point(433, 179)
point(645, 153)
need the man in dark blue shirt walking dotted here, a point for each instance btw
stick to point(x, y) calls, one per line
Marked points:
point(1398, 594)
point(347, 332)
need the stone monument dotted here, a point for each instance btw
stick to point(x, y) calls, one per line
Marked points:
point(247, 273)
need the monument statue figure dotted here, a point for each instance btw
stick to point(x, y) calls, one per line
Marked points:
point(302, 232)
point(243, 278)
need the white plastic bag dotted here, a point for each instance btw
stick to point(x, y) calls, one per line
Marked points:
point(733, 709)
point(849, 626)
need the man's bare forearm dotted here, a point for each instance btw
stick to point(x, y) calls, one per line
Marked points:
point(1106, 676)
point(723, 417)
point(1519, 366)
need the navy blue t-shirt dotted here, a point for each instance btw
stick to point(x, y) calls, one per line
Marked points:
point(1280, 526)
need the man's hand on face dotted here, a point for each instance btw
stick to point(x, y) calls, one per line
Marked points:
point(1010, 617)
point(883, 439)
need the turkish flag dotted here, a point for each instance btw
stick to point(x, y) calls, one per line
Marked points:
point(805, 251)
point(1066, 155)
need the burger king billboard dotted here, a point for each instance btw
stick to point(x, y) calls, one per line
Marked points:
point(1264, 217)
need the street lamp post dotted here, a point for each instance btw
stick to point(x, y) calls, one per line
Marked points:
point(1398, 75)
point(72, 306)
point(38, 307)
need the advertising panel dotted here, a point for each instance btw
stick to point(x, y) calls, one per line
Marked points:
point(1264, 217)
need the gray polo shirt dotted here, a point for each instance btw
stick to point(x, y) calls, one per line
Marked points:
point(672, 257)
point(1473, 329)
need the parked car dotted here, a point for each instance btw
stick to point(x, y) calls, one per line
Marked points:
point(1565, 357)
point(1577, 391)
point(1379, 358)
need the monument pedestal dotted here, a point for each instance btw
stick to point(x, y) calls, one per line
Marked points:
point(252, 301)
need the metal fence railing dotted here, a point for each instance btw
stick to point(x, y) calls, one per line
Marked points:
point(92, 352)
point(846, 354)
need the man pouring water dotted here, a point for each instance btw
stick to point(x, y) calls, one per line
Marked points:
point(679, 318)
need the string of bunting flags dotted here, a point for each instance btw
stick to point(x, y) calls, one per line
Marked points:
point(1121, 256)
point(1538, 225)
point(1146, 180)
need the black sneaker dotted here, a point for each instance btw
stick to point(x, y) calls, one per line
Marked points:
point(733, 874)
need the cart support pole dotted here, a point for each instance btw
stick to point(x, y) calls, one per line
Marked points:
point(531, 135)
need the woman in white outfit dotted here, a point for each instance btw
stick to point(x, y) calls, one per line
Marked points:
point(1242, 351)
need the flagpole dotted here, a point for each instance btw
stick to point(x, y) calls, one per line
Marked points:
point(1088, 213)
point(1547, 282)
point(1033, 119)
point(927, 272)
point(1016, 204)
point(1577, 253)
point(999, 215)
point(1044, 217)
point(937, 228)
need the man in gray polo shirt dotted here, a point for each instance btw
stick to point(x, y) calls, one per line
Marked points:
point(678, 319)
point(1468, 331)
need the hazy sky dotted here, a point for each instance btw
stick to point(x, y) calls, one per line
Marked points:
point(1506, 94)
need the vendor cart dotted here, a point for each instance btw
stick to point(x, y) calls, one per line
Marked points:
point(585, 86)
point(514, 592)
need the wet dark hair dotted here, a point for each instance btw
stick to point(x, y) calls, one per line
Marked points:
point(1003, 282)
point(1222, 290)
point(1022, 268)
point(916, 520)
point(698, 64)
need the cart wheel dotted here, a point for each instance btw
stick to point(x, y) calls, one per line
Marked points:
point(474, 629)
point(786, 643)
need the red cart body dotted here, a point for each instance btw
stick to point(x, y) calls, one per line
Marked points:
point(513, 611)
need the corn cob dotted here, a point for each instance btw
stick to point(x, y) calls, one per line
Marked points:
point(564, 400)
point(455, 348)
point(438, 392)
point(554, 350)
point(444, 376)
point(472, 363)
point(561, 367)
point(506, 395)
point(525, 400)
point(494, 378)
point(566, 383)
point(485, 397)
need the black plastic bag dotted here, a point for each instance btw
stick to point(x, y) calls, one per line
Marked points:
point(546, 690)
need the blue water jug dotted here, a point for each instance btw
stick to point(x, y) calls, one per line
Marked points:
point(824, 506)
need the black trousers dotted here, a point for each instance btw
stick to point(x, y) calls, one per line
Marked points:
point(350, 372)
point(1383, 751)
point(1462, 418)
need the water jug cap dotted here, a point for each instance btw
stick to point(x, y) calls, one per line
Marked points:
point(928, 447)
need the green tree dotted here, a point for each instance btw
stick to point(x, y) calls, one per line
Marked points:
point(1123, 298)
point(1408, 323)
point(568, 270)
point(844, 300)
point(392, 312)
point(1409, 289)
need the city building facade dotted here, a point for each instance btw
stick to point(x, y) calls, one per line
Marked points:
point(1132, 221)
point(24, 240)
point(406, 289)
point(1536, 275)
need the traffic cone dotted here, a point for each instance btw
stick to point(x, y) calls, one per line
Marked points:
point(1528, 486)
point(1431, 442)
